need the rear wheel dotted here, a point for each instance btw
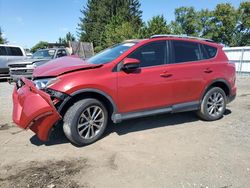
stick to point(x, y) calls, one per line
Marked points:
point(85, 121)
point(213, 104)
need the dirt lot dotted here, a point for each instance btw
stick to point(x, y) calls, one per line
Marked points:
point(164, 151)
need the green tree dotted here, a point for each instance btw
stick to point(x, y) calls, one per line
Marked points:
point(157, 25)
point(115, 32)
point(99, 13)
point(2, 39)
point(242, 36)
point(39, 45)
point(186, 21)
point(224, 20)
point(70, 37)
point(206, 23)
point(65, 40)
point(175, 28)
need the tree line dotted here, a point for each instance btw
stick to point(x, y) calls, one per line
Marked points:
point(106, 22)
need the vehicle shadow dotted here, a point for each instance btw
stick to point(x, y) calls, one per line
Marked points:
point(129, 126)
point(152, 122)
point(57, 136)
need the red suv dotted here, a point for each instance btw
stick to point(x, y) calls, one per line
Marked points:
point(137, 78)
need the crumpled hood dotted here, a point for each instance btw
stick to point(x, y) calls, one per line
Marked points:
point(61, 66)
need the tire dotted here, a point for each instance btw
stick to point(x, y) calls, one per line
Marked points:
point(213, 104)
point(85, 122)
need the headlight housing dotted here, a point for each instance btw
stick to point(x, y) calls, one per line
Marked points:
point(45, 82)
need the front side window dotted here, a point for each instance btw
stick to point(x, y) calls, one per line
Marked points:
point(111, 53)
point(3, 51)
point(185, 51)
point(14, 51)
point(151, 54)
point(44, 54)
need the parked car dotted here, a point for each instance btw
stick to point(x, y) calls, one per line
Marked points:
point(24, 68)
point(137, 78)
point(9, 53)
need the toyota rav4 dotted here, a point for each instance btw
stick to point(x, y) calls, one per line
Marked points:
point(137, 78)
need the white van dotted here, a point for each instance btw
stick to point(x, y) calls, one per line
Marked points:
point(9, 53)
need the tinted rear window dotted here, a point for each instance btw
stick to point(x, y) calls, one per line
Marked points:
point(210, 51)
point(14, 51)
point(185, 51)
point(3, 51)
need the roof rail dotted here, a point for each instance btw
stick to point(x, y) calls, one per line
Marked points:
point(181, 36)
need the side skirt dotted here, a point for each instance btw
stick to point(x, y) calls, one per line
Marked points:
point(182, 107)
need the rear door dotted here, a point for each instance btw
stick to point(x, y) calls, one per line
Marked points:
point(188, 67)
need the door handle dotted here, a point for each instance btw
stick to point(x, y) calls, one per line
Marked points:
point(208, 70)
point(166, 74)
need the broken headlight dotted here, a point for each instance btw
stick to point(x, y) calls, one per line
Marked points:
point(45, 82)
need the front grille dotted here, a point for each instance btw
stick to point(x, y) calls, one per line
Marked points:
point(21, 72)
point(17, 65)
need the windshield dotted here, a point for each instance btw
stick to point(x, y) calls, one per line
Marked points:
point(111, 53)
point(44, 54)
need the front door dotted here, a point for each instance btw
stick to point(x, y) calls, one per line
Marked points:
point(149, 86)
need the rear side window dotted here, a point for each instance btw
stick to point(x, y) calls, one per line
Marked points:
point(3, 51)
point(14, 51)
point(185, 51)
point(61, 53)
point(210, 51)
point(151, 54)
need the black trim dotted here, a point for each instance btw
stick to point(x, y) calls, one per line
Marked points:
point(230, 98)
point(168, 52)
point(60, 108)
point(182, 107)
point(81, 91)
point(213, 82)
point(171, 52)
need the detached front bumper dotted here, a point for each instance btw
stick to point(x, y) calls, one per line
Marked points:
point(33, 109)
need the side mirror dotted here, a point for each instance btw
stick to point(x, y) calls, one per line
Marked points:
point(130, 64)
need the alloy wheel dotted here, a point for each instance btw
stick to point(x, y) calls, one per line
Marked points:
point(90, 122)
point(215, 104)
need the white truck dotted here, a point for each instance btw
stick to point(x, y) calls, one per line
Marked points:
point(9, 53)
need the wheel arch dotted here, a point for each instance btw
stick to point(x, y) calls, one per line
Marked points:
point(221, 83)
point(88, 93)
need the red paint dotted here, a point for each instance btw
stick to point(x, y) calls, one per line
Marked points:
point(33, 109)
point(146, 88)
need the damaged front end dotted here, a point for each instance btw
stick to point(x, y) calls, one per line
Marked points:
point(34, 108)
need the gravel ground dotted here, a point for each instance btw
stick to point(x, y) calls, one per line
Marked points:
point(163, 151)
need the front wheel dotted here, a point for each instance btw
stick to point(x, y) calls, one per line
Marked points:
point(213, 104)
point(85, 121)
